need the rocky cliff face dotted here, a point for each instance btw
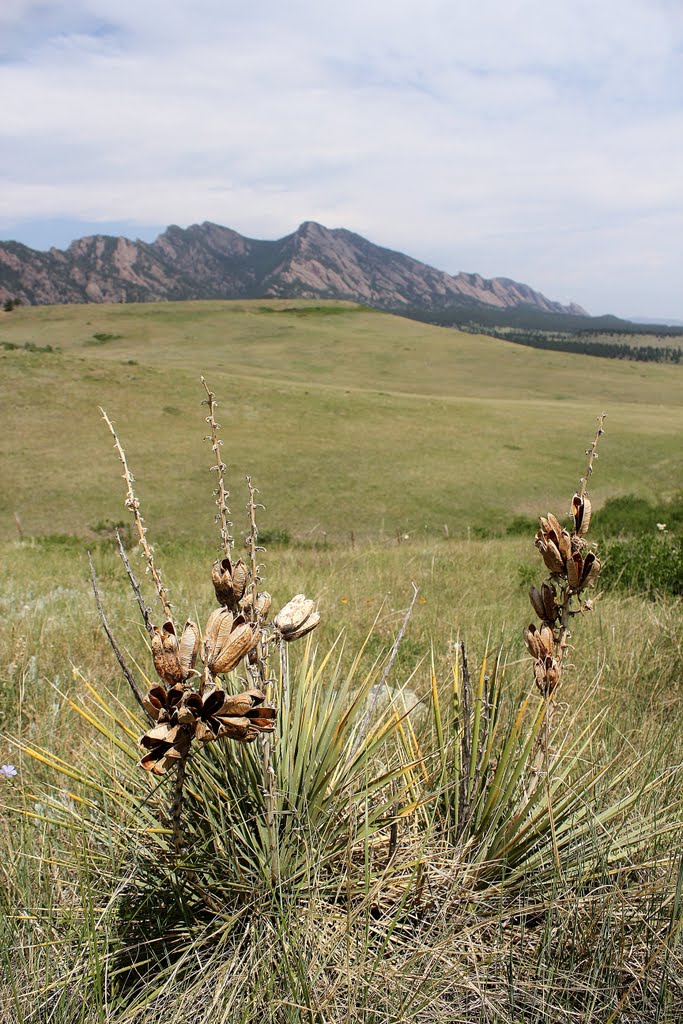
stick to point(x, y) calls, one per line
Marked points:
point(207, 261)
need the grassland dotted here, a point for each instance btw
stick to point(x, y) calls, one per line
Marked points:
point(386, 452)
point(386, 425)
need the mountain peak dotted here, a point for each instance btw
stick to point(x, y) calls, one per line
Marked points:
point(210, 261)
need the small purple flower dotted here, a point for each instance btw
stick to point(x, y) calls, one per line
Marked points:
point(8, 771)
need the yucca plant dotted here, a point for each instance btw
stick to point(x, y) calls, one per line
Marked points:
point(515, 806)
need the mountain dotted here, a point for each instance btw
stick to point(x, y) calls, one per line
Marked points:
point(207, 261)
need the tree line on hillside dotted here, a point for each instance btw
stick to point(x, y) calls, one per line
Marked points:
point(591, 347)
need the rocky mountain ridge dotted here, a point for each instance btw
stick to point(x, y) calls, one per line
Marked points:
point(207, 261)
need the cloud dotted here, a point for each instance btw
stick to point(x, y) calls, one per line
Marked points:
point(503, 136)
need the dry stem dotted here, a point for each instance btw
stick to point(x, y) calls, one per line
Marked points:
point(592, 452)
point(220, 493)
point(133, 505)
point(134, 585)
point(265, 684)
point(137, 693)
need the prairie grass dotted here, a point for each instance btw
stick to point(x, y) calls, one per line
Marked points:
point(429, 866)
point(396, 427)
point(420, 942)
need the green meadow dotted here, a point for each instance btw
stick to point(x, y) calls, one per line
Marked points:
point(347, 419)
point(468, 851)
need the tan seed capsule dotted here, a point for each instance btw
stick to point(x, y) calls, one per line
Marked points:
point(188, 647)
point(565, 545)
point(221, 578)
point(243, 637)
point(591, 570)
point(309, 625)
point(574, 570)
point(547, 639)
point(533, 641)
point(537, 602)
point(552, 558)
point(296, 618)
point(164, 644)
point(218, 628)
point(555, 527)
point(549, 599)
point(240, 578)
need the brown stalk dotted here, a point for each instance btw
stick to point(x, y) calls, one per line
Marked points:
point(265, 684)
point(221, 493)
point(133, 505)
point(592, 453)
point(134, 585)
point(130, 678)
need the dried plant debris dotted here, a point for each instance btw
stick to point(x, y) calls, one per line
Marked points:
point(573, 568)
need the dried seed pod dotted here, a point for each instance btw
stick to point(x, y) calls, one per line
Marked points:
point(533, 641)
point(164, 643)
point(552, 557)
point(188, 647)
point(581, 511)
point(228, 654)
point(537, 602)
point(239, 717)
point(555, 527)
point(218, 628)
point(263, 603)
point(309, 625)
point(565, 545)
point(550, 606)
point(547, 639)
point(296, 618)
point(575, 570)
point(229, 581)
point(547, 672)
point(165, 745)
point(591, 570)
point(240, 578)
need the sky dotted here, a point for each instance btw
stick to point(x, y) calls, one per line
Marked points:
point(540, 140)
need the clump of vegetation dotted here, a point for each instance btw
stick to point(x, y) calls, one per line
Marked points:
point(644, 545)
point(28, 346)
point(101, 338)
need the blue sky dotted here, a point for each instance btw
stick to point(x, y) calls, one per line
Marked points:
point(535, 139)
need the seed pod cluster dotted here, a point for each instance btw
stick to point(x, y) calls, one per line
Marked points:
point(572, 568)
point(236, 630)
point(182, 716)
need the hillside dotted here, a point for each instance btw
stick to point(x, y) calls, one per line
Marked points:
point(347, 419)
point(207, 261)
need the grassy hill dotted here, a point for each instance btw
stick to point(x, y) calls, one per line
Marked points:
point(347, 419)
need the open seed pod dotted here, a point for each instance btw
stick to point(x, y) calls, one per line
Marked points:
point(165, 744)
point(547, 672)
point(263, 603)
point(550, 551)
point(229, 581)
point(581, 511)
point(582, 572)
point(297, 618)
point(544, 602)
point(227, 640)
point(174, 660)
point(233, 716)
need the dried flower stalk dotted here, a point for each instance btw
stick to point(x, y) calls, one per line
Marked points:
point(133, 505)
point(221, 494)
